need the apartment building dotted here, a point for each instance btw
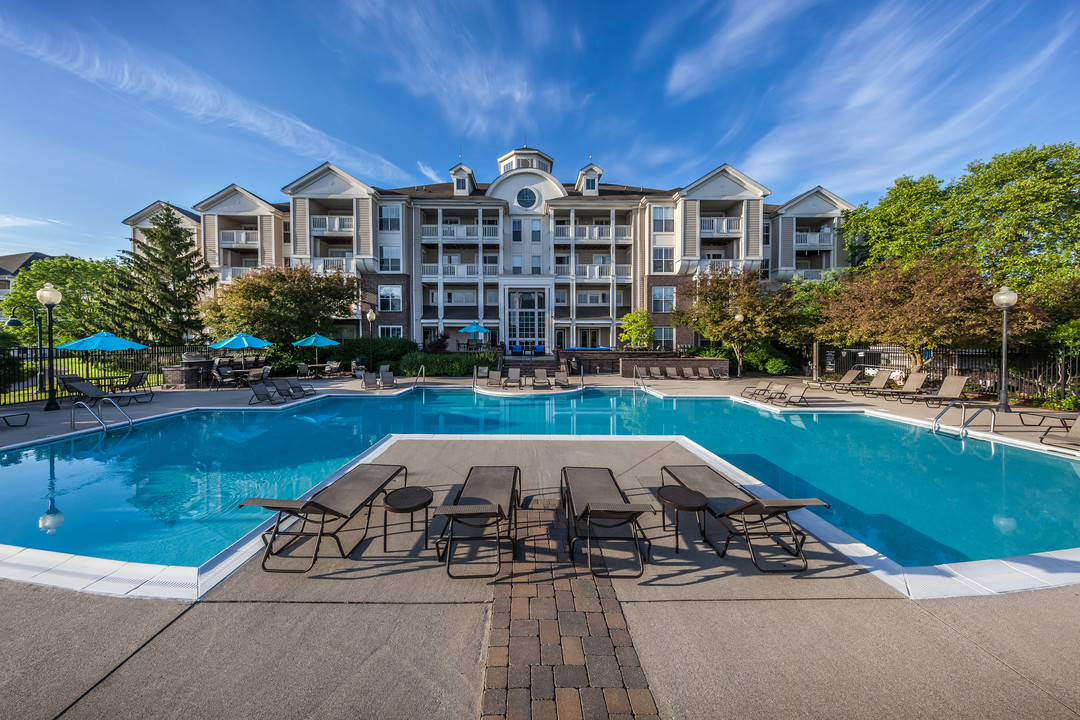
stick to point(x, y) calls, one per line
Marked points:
point(535, 260)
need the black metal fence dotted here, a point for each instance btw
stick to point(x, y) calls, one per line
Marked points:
point(23, 376)
point(1032, 371)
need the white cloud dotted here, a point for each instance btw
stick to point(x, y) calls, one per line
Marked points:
point(115, 65)
point(10, 221)
point(429, 173)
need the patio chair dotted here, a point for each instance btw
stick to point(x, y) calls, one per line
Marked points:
point(539, 350)
point(513, 376)
point(795, 397)
point(261, 392)
point(137, 381)
point(561, 380)
point(294, 385)
point(489, 497)
point(540, 379)
point(326, 513)
point(303, 371)
point(285, 390)
point(655, 374)
point(689, 373)
point(517, 350)
point(952, 388)
point(370, 381)
point(704, 374)
point(759, 390)
point(1055, 435)
point(223, 377)
point(671, 373)
point(332, 368)
point(849, 378)
point(775, 390)
point(384, 369)
point(879, 381)
point(482, 371)
point(912, 386)
point(62, 384)
point(386, 380)
point(719, 373)
point(14, 416)
point(91, 394)
point(740, 512)
point(594, 501)
point(495, 379)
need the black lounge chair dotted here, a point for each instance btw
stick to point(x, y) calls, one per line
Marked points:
point(327, 512)
point(490, 496)
point(849, 378)
point(91, 394)
point(294, 385)
point(285, 390)
point(736, 509)
point(223, 377)
point(759, 390)
point(8, 419)
point(137, 383)
point(594, 500)
point(261, 392)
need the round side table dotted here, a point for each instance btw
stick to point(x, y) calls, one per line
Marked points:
point(407, 500)
point(683, 499)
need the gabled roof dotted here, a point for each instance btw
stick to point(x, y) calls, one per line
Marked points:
point(153, 209)
point(326, 168)
point(11, 264)
point(461, 166)
point(744, 180)
point(836, 200)
point(234, 188)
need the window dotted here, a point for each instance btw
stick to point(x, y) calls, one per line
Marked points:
point(491, 297)
point(525, 163)
point(664, 337)
point(491, 259)
point(389, 331)
point(287, 227)
point(526, 198)
point(507, 167)
point(590, 183)
point(389, 298)
point(766, 231)
point(663, 219)
point(390, 258)
point(459, 183)
point(536, 231)
point(560, 297)
point(460, 297)
point(536, 265)
point(390, 217)
point(592, 297)
point(661, 260)
point(544, 166)
point(515, 232)
point(663, 299)
point(515, 265)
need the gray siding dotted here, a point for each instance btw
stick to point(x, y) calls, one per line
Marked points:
point(691, 228)
point(364, 208)
point(267, 255)
point(752, 225)
point(301, 227)
point(787, 242)
point(210, 233)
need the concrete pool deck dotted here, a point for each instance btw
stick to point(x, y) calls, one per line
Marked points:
point(389, 635)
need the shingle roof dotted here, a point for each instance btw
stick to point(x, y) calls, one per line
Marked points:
point(445, 191)
point(11, 264)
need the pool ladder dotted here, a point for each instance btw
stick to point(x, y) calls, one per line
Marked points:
point(964, 419)
point(97, 416)
point(421, 373)
point(639, 379)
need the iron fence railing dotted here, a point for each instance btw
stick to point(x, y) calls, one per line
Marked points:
point(1032, 371)
point(21, 381)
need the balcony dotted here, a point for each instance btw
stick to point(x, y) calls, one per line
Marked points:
point(239, 238)
point(331, 223)
point(807, 274)
point(704, 265)
point(490, 233)
point(231, 273)
point(458, 271)
point(593, 233)
point(815, 239)
point(330, 266)
point(584, 271)
point(720, 226)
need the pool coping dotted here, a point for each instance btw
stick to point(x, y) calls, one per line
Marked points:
point(145, 580)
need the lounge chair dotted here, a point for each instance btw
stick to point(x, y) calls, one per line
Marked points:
point(14, 416)
point(703, 373)
point(329, 510)
point(952, 388)
point(304, 388)
point(384, 369)
point(91, 394)
point(261, 392)
point(482, 371)
point(655, 374)
point(1057, 435)
point(540, 379)
point(386, 380)
point(513, 376)
point(879, 381)
point(849, 378)
point(775, 390)
point(689, 374)
point(759, 390)
point(671, 373)
point(740, 512)
point(285, 390)
point(223, 377)
point(795, 397)
point(561, 379)
point(490, 496)
point(495, 379)
point(912, 386)
point(594, 501)
point(137, 381)
point(719, 373)
point(370, 381)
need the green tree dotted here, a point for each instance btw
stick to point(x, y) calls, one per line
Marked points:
point(637, 329)
point(908, 220)
point(938, 302)
point(734, 306)
point(79, 314)
point(155, 293)
point(806, 301)
point(280, 304)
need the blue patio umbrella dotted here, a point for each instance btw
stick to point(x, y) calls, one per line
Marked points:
point(101, 341)
point(316, 341)
point(239, 341)
point(473, 329)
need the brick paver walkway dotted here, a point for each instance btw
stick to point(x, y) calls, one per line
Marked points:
point(558, 646)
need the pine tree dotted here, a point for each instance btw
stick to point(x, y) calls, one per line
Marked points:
point(154, 294)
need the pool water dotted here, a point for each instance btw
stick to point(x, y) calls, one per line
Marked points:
point(167, 492)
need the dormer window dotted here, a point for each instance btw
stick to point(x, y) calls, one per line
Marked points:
point(460, 184)
point(526, 198)
point(590, 183)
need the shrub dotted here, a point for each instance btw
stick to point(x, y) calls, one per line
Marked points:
point(1069, 403)
point(714, 352)
point(777, 366)
point(446, 364)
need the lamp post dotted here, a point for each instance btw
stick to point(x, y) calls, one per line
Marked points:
point(13, 321)
point(50, 297)
point(371, 339)
point(1004, 299)
point(738, 317)
point(52, 518)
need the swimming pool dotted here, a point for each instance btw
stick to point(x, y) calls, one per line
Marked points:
point(167, 492)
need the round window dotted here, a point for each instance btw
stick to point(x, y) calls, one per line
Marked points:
point(526, 198)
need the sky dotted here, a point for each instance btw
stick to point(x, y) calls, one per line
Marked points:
point(107, 106)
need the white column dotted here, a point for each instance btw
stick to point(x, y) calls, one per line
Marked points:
point(480, 263)
point(440, 294)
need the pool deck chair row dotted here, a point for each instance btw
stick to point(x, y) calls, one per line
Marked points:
point(490, 497)
point(326, 513)
point(594, 501)
point(740, 512)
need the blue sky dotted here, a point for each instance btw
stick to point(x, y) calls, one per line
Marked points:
point(109, 106)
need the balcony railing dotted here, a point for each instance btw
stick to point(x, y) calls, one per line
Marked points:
point(461, 270)
point(329, 266)
point(232, 238)
point(459, 232)
point(332, 223)
point(704, 265)
point(810, 274)
point(814, 238)
point(231, 273)
point(593, 233)
point(714, 226)
point(588, 271)
point(491, 270)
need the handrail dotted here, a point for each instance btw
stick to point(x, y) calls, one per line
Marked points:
point(993, 419)
point(581, 367)
point(639, 376)
point(90, 410)
point(964, 420)
point(963, 414)
point(422, 372)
